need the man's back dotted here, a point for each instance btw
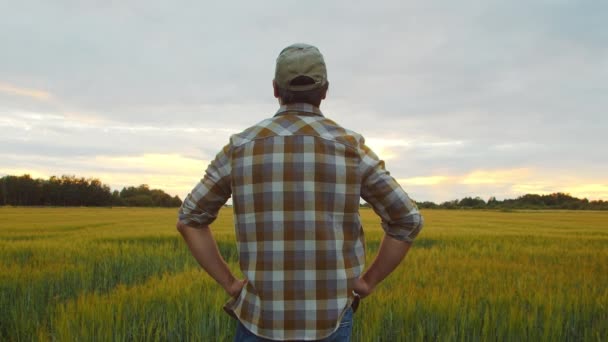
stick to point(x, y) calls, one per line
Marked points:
point(296, 181)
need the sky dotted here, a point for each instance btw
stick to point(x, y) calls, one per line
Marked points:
point(460, 98)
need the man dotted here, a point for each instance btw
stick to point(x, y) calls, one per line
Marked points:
point(296, 180)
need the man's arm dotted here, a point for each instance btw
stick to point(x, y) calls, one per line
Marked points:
point(390, 255)
point(199, 210)
point(400, 217)
point(203, 247)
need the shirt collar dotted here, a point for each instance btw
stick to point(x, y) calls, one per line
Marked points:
point(300, 109)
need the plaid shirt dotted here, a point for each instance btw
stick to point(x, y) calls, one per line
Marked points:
point(296, 181)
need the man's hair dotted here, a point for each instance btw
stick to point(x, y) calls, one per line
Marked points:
point(313, 97)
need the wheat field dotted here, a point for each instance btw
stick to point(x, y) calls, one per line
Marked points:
point(124, 274)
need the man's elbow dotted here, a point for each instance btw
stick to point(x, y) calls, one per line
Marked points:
point(181, 227)
point(406, 229)
point(399, 240)
point(185, 228)
point(418, 225)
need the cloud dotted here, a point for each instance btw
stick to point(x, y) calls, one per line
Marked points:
point(72, 134)
point(171, 164)
point(26, 92)
point(389, 149)
point(430, 180)
point(495, 176)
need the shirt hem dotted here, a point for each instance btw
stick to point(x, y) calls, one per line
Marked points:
point(232, 313)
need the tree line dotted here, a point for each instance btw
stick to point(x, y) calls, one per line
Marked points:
point(556, 200)
point(75, 191)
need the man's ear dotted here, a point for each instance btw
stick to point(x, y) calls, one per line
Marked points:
point(324, 93)
point(275, 87)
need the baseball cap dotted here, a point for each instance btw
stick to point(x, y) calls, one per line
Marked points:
point(300, 60)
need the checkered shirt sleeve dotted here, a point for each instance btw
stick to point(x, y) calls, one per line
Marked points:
point(400, 216)
point(202, 204)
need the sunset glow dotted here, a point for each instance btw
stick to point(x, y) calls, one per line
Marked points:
point(26, 92)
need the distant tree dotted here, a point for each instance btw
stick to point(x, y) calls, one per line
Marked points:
point(493, 203)
point(22, 190)
point(146, 197)
point(139, 201)
point(176, 201)
point(469, 202)
point(116, 199)
point(3, 191)
point(453, 204)
point(69, 190)
point(427, 205)
point(598, 205)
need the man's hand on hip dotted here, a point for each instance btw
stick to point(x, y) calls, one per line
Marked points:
point(235, 288)
point(362, 288)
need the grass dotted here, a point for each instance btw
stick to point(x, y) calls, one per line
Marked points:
point(124, 274)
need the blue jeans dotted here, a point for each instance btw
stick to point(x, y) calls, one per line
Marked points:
point(341, 335)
